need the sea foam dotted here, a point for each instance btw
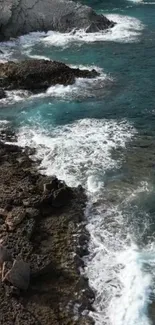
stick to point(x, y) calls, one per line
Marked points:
point(126, 30)
point(80, 153)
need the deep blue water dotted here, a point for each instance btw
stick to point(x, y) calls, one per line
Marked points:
point(102, 134)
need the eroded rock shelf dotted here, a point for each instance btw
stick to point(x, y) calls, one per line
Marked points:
point(41, 224)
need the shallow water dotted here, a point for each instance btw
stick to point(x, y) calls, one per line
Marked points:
point(101, 133)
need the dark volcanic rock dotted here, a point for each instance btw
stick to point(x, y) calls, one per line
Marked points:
point(57, 193)
point(61, 197)
point(15, 217)
point(19, 17)
point(4, 255)
point(36, 75)
point(19, 275)
point(42, 226)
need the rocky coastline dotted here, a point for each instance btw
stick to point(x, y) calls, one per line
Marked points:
point(19, 17)
point(38, 75)
point(42, 242)
point(42, 223)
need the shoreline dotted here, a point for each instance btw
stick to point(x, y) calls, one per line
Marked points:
point(51, 238)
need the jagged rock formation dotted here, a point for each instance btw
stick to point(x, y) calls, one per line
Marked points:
point(46, 245)
point(38, 75)
point(19, 17)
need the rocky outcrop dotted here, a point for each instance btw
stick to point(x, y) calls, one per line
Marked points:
point(42, 238)
point(19, 17)
point(38, 75)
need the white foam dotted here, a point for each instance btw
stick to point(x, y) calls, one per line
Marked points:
point(15, 96)
point(136, 1)
point(148, 3)
point(35, 56)
point(82, 88)
point(3, 123)
point(6, 54)
point(127, 29)
point(116, 265)
point(20, 46)
point(131, 307)
point(143, 2)
point(78, 151)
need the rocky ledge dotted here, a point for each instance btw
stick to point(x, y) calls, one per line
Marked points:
point(42, 241)
point(18, 17)
point(38, 75)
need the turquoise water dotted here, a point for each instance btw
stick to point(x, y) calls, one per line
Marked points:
point(101, 134)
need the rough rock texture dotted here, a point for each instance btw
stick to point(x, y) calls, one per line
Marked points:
point(4, 255)
point(2, 94)
point(19, 17)
point(18, 275)
point(50, 236)
point(38, 75)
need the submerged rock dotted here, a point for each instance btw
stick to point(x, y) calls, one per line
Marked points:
point(18, 17)
point(37, 75)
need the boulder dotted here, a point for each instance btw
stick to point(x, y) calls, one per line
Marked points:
point(38, 75)
point(61, 197)
point(18, 17)
point(51, 185)
point(15, 217)
point(56, 192)
point(19, 275)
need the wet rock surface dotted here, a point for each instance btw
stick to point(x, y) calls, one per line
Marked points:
point(2, 94)
point(38, 75)
point(18, 17)
point(42, 229)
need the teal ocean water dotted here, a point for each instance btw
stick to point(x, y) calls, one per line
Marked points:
point(101, 133)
